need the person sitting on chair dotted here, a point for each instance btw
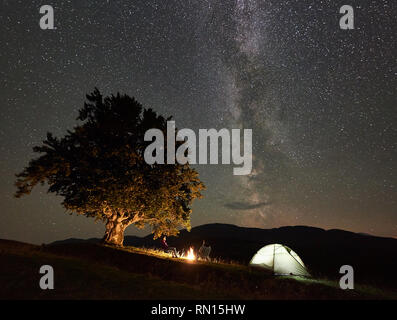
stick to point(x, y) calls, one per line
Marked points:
point(167, 248)
point(204, 251)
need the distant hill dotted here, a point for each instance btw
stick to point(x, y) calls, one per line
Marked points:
point(76, 240)
point(374, 259)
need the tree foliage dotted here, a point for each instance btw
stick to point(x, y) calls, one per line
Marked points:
point(99, 170)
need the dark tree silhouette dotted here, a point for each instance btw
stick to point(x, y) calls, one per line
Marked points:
point(99, 170)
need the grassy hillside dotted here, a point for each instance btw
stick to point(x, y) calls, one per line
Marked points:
point(322, 251)
point(80, 278)
point(93, 271)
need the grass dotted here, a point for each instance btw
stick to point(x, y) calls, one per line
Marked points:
point(82, 279)
point(165, 255)
point(89, 271)
point(360, 290)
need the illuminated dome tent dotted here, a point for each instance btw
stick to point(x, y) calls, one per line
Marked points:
point(280, 259)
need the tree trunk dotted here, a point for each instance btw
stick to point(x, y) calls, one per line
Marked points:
point(114, 233)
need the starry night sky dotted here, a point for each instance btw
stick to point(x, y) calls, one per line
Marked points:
point(321, 102)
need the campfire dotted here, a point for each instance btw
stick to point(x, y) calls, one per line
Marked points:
point(190, 255)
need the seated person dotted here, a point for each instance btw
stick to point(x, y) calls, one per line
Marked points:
point(204, 251)
point(167, 248)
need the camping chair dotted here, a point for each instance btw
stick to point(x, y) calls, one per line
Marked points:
point(173, 251)
point(205, 252)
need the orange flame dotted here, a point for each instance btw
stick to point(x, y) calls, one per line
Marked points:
point(190, 255)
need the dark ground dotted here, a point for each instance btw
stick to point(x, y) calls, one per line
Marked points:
point(374, 259)
point(93, 271)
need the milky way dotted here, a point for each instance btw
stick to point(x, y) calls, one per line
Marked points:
point(320, 100)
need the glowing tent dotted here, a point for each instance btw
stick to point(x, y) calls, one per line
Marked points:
point(280, 259)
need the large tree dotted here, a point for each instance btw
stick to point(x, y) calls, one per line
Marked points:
point(99, 170)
